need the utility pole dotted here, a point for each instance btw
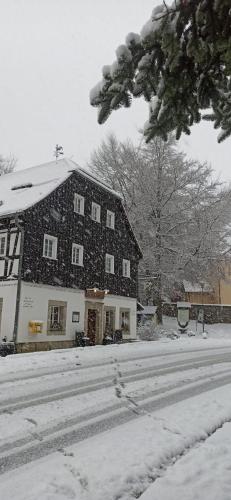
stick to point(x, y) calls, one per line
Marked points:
point(19, 283)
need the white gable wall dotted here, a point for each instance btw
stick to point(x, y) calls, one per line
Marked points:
point(8, 292)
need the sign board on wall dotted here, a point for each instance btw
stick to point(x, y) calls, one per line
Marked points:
point(28, 302)
point(35, 326)
point(93, 293)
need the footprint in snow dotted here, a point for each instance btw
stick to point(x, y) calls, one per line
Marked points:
point(76, 474)
point(65, 453)
point(31, 420)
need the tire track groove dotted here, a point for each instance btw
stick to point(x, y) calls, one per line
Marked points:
point(109, 421)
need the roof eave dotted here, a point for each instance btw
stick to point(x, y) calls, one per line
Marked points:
point(11, 214)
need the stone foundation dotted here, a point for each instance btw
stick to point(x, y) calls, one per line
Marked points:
point(44, 346)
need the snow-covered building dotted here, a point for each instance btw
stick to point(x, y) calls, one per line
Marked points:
point(68, 258)
point(196, 293)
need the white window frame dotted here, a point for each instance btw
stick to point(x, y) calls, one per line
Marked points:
point(125, 321)
point(109, 319)
point(54, 241)
point(126, 268)
point(80, 260)
point(57, 317)
point(109, 263)
point(95, 207)
point(79, 204)
point(3, 235)
point(110, 219)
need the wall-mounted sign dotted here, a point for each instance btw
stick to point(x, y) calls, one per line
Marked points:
point(35, 327)
point(28, 302)
point(94, 293)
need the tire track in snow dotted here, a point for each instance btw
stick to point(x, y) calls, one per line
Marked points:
point(69, 422)
point(68, 391)
point(74, 368)
point(97, 425)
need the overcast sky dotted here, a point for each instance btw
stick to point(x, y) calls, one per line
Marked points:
point(51, 54)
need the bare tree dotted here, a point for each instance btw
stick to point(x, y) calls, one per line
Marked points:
point(7, 164)
point(118, 164)
point(179, 213)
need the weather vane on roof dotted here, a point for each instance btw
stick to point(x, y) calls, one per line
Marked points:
point(58, 151)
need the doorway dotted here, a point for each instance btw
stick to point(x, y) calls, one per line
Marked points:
point(92, 325)
point(93, 322)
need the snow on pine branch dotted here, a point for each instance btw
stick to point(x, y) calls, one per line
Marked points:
point(182, 56)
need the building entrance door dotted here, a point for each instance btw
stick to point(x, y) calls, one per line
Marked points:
point(92, 325)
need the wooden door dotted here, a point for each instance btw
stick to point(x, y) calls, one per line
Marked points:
point(92, 325)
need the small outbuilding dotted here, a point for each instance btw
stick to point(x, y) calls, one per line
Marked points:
point(146, 314)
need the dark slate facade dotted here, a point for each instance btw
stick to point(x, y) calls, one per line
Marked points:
point(55, 216)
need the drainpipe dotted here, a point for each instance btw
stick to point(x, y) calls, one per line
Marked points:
point(19, 284)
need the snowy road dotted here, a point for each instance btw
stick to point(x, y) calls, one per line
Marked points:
point(100, 395)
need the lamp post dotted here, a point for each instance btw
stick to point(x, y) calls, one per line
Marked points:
point(202, 303)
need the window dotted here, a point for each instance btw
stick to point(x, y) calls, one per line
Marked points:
point(125, 320)
point(126, 268)
point(2, 244)
point(110, 219)
point(50, 246)
point(57, 312)
point(77, 254)
point(109, 320)
point(109, 263)
point(95, 212)
point(78, 204)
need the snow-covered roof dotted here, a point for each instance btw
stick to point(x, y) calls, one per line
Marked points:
point(196, 287)
point(22, 189)
point(148, 310)
point(183, 305)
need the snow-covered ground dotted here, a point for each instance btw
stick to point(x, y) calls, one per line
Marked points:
point(204, 472)
point(148, 419)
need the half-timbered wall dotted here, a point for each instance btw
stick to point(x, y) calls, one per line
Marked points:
point(9, 261)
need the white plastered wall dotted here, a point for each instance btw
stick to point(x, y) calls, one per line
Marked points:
point(34, 307)
point(8, 290)
point(124, 303)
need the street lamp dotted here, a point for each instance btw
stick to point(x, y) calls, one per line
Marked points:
point(202, 303)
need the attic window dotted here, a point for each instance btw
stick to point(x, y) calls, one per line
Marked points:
point(22, 186)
